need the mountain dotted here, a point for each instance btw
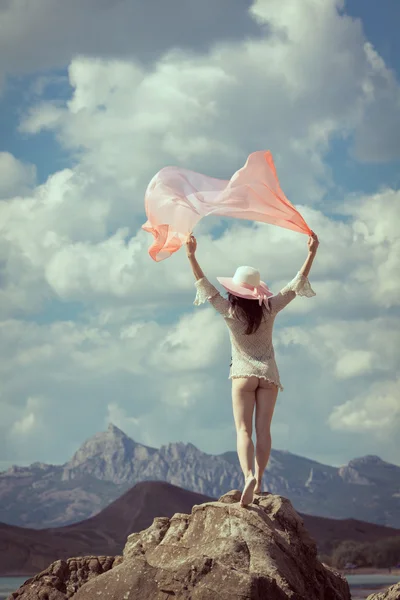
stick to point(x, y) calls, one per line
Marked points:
point(28, 551)
point(109, 456)
point(110, 463)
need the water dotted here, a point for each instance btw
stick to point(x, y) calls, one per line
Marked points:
point(10, 584)
point(373, 579)
point(372, 582)
point(363, 585)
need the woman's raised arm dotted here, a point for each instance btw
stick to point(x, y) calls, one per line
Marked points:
point(191, 246)
point(205, 289)
point(299, 286)
point(312, 250)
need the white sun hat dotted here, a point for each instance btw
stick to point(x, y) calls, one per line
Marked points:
point(246, 283)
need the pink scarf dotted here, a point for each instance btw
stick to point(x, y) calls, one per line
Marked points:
point(176, 199)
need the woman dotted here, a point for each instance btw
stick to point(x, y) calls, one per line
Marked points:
point(254, 373)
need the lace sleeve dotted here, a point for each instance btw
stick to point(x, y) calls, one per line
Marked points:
point(206, 291)
point(299, 286)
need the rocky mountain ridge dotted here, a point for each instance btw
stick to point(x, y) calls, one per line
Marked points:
point(110, 463)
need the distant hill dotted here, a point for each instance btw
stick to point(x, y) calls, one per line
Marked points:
point(110, 463)
point(25, 551)
point(29, 551)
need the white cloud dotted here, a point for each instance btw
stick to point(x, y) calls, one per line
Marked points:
point(24, 425)
point(98, 374)
point(30, 420)
point(44, 116)
point(375, 220)
point(376, 412)
point(355, 362)
point(184, 393)
point(192, 108)
point(16, 178)
point(186, 348)
point(124, 122)
point(345, 347)
point(50, 257)
point(82, 269)
point(378, 135)
point(133, 326)
point(33, 38)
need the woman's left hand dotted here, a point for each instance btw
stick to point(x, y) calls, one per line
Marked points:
point(191, 245)
point(313, 243)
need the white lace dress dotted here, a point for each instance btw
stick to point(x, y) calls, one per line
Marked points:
point(253, 355)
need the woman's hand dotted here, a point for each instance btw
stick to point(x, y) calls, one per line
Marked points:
point(312, 250)
point(313, 243)
point(191, 245)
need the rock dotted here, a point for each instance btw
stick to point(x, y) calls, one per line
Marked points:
point(220, 551)
point(62, 579)
point(316, 477)
point(351, 475)
point(392, 593)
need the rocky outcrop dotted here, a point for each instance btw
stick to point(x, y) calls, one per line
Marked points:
point(392, 593)
point(220, 551)
point(64, 578)
point(351, 475)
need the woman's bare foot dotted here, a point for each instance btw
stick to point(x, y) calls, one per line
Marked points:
point(257, 489)
point(248, 491)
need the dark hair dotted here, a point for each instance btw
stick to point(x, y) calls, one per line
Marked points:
point(250, 310)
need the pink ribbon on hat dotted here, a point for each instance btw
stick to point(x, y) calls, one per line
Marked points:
point(258, 292)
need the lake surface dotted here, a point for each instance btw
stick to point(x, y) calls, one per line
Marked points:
point(363, 585)
point(10, 584)
point(371, 583)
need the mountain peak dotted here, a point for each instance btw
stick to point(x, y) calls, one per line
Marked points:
point(110, 455)
point(116, 431)
point(367, 460)
point(180, 450)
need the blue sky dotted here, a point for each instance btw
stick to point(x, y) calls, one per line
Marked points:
point(95, 113)
point(379, 20)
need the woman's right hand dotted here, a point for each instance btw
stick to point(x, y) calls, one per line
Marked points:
point(191, 245)
point(313, 243)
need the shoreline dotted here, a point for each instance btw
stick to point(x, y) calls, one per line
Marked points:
point(18, 575)
point(370, 571)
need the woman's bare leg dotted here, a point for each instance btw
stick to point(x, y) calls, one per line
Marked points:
point(266, 395)
point(243, 401)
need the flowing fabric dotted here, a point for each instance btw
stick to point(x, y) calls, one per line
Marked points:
point(177, 198)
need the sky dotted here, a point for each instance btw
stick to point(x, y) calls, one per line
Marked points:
point(95, 98)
